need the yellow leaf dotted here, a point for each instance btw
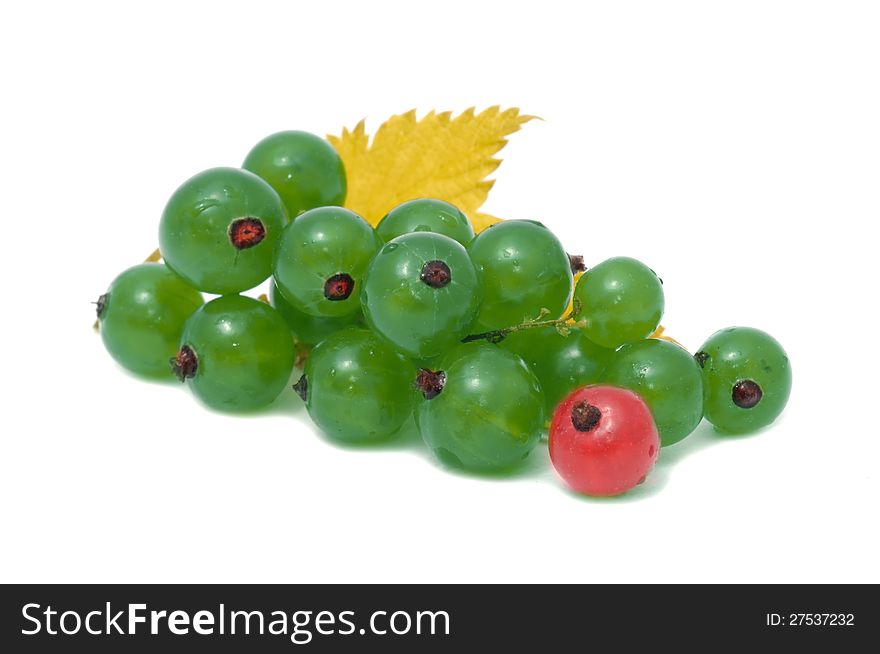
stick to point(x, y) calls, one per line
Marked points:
point(574, 282)
point(436, 157)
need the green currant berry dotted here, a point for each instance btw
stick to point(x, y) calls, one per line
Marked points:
point(561, 363)
point(523, 268)
point(426, 215)
point(321, 259)
point(667, 378)
point(621, 300)
point(236, 353)
point(309, 329)
point(142, 316)
point(746, 379)
point(483, 410)
point(356, 387)
point(421, 293)
point(304, 169)
point(219, 230)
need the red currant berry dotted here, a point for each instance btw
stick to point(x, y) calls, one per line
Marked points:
point(603, 440)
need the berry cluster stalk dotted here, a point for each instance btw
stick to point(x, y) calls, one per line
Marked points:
point(563, 325)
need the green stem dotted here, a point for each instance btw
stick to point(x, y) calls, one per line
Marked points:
point(561, 324)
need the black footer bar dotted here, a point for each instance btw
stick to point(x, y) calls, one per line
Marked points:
point(278, 618)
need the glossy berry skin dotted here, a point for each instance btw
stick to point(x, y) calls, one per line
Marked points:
point(142, 317)
point(489, 414)
point(561, 363)
point(308, 329)
point(196, 231)
point(747, 357)
point(303, 168)
point(667, 378)
point(323, 244)
point(603, 440)
point(358, 389)
point(426, 215)
point(523, 268)
point(621, 301)
point(419, 319)
point(244, 353)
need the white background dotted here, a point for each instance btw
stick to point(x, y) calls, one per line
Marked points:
point(734, 147)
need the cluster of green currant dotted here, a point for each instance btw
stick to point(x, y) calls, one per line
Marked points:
point(420, 317)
